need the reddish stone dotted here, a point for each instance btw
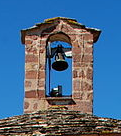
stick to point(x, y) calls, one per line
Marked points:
point(78, 95)
point(31, 94)
point(89, 50)
point(73, 37)
point(91, 65)
point(31, 58)
point(26, 112)
point(83, 106)
point(76, 58)
point(41, 93)
point(81, 74)
point(90, 96)
point(76, 85)
point(35, 94)
point(31, 50)
point(35, 106)
point(87, 58)
point(83, 64)
point(42, 67)
point(41, 50)
point(75, 44)
point(41, 74)
point(34, 37)
point(74, 74)
point(85, 86)
point(26, 105)
point(28, 42)
point(89, 74)
point(43, 42)
point(88, 37)
point(64, 28)
point(76, 50)
point(41, 83)
point(76, 64)
point(28, 83)
point(31, 74)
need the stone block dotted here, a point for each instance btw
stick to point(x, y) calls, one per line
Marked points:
point(76, 58)
point(89, 74)
point(41, 74)
point(88, 50)
point(41, 83)
point(41, 93)
point(90, 96)
point(73, 37)
point(31, 66)
point(76, 85)
point(76, 64)
point(26, 105)
point(31, 50)
point(31, 94)
point(75, 44)
point(43, 42)
point(75, 74)
point(85, 86)
point(41, 66)
point(83, 106)
point(31, 74)
point(31, 58)
point(35, 106)
point(78, 95)
point(77, 50)
point(87, 58)
point(35, 94)
point(82, 74)
point(28, 42)
point(88, 37)
point(31, 84)
point(28, 84)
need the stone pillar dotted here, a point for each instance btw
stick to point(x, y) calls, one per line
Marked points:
point(83, 73)
point(34, 73)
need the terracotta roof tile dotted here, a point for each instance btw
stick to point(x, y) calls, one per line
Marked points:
point(58, 121)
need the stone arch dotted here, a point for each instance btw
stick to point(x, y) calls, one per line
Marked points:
point(58, 36)
point(66, 42)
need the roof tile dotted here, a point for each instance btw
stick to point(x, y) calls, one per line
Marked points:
point(58, 121)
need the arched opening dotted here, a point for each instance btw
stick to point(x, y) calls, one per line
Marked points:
point(58, 82)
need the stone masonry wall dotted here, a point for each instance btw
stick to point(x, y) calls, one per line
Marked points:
point(82, 68)
point(34, 73)
point(83, 73)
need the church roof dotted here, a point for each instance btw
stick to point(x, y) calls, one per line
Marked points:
point(58, 121)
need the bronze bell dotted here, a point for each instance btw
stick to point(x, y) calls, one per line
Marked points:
point(59, 64)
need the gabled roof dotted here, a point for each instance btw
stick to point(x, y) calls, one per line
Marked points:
point(50, 21)
point(58, 121)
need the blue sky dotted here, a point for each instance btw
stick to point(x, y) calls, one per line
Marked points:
point(102, 14)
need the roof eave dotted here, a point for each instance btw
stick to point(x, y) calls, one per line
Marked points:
point(96, 33)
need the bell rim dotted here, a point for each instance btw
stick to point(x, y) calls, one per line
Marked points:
point(54, 67)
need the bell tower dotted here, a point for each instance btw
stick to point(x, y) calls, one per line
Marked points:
point(42, 59)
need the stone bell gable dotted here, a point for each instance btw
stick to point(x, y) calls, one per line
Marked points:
point(55, 115)
point(36, 39)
